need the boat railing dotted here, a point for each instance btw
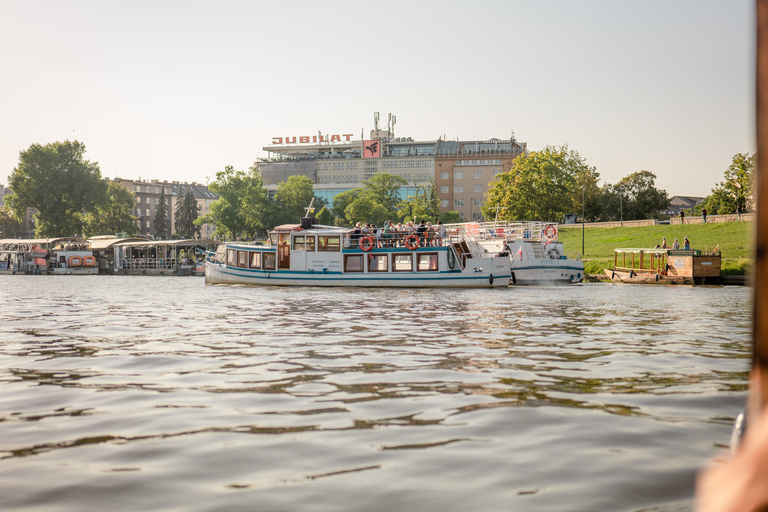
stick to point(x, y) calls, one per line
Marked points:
point(149, 263)
point(396, 239)
point(534, 231)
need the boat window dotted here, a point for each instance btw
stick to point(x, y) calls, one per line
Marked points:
point(242, 258)
point(273, 238)
point(298, 243)
point(427, 262)
point(402, 262)
point(329, 243)
point(353, 263)
point(310, 243)
point(231, 257)
point(378, 263)
point(269, 261)
point(256, 259)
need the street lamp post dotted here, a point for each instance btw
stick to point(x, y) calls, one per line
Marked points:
point(583, 187)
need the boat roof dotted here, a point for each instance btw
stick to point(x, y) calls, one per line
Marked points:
point(104, 242)
point(40, 241)
point(646, 250)
point(167, 243)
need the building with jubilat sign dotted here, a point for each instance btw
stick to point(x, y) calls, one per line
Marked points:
point(461, 170)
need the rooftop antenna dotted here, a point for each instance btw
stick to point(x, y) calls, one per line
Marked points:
point(376, 121)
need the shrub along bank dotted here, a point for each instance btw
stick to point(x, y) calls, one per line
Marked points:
point(734, 239)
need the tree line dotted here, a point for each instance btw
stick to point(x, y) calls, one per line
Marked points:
point(70, 198)
point(555, 181)
point(245, 209)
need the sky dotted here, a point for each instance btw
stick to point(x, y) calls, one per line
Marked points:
point(178, 90)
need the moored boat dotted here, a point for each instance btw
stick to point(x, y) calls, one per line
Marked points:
point(665, 266)
point(536, 255)
point(308, 254)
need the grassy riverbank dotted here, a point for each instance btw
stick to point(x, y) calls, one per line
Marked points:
point(734, 238)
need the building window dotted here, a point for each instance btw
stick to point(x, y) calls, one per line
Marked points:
point(478, 174)
point(458, 175)
point(427, 262)
point(444, 175)
point(402, 263)
point(479, 188)
point(378, 263)
point(458, 202)
point(328, 243)
point(444, 189)
point(242, 258)
point(444, 203)
point(255, 260)
point(269, 260)
point(458, 189)
point(353, 263)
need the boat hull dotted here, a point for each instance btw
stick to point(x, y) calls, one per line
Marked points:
point(630, 277)
point(217, 273)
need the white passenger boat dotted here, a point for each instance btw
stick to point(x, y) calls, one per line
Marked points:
point(71, 256)
point(311, 255)
point(536, 255)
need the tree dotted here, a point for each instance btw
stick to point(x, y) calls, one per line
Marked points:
point(60, 184)
point(384, 189)
point(451, 217)
point(366, 209)
point(736, 190)
point(115, 215)
point(161, 216)
point(340, 203)
point(292, 198)
point(636, 195)
point(543, 185)
point(424, 205)
point(187, 212)
point(10, 227)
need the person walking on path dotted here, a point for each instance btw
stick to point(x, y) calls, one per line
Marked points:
point(704, 215)
point(738, 214)
point(682, 216)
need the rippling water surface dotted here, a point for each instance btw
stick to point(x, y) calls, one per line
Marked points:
point(161, 393)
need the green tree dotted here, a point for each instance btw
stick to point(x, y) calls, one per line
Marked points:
point(115, 215)
point(636, 195)
point(187, 212)
point(292, 198)
point(161, 216)
point(340, 203)
point(543, 185)
point(424, 205)
point(10, 226)
point(384, 189)
point(59, 184)
point(451, 217)
point(367, 209)
point(735, 191)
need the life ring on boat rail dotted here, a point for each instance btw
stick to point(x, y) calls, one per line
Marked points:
point(366, 243)
point(550, 231)
point(89, 261)
point(412, 242)
point(75, 261)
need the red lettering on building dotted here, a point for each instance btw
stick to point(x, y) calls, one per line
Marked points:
point(306, 139)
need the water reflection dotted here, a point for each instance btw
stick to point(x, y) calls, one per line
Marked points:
point(409, 388)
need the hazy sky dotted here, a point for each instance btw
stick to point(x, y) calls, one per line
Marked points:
point(177, 90)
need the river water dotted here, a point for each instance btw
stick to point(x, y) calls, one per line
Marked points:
point(163, 394)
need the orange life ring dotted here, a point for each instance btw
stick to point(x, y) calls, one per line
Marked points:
point(412, 242)
point(366, 243)
point(89, 261)
point(75, 261)
point(550, 231)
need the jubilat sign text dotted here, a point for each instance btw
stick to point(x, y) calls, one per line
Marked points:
point(306, 139)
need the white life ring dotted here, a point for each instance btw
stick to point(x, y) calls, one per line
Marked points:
point(550, 232)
